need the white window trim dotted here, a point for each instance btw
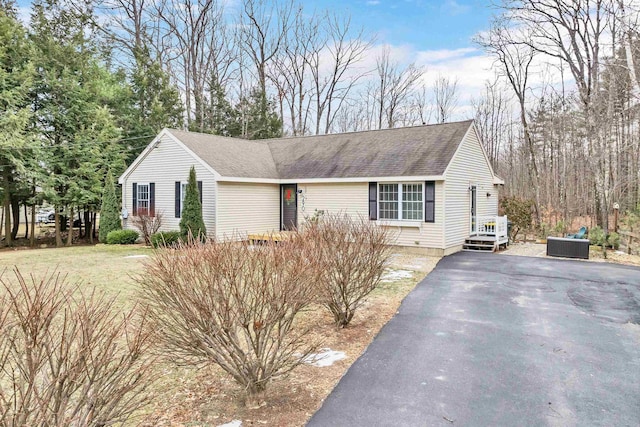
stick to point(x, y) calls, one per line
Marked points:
point(148, 199)
point(400, 220)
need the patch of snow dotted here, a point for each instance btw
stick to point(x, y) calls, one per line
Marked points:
point(621, 253)
point(137, 256)
point(392, 275)
point(326, 357)
point(234, 423)
point(522, 300)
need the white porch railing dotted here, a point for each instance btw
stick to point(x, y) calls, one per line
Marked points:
point(492, 226)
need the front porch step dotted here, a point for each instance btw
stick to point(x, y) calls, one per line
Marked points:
point(478, 245)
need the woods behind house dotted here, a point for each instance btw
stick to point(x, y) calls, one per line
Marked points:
point(86, 85)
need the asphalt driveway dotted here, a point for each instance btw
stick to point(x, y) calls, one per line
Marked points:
point(487, 340)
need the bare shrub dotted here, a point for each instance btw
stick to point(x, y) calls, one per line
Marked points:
point(353, 254)
point(67, 360)
point(147, 225)
point(233, 305)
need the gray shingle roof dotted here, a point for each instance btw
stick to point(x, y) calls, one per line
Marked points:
point(412, 151)
point(232, 157)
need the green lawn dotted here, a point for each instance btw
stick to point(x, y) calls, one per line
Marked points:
point(108, 268)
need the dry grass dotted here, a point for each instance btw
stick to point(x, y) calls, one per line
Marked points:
point(105, 267)
point(618, 257)
point(192, 397)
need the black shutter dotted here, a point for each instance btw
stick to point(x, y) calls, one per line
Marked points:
point(200, 191)
point(373, 201)
point(152, 199)
point(135, 199)
point(429, 201)
point(178, 198)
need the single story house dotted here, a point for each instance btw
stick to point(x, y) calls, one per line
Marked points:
point(432, 184)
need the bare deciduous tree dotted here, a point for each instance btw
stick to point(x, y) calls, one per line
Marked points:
point(492, 114)
point(341, 55)
point(445, 95)
point(395, 85)
point(515, 64)
point(147, 225)
point(195, 43)
point(290, 69)
point(573, 31)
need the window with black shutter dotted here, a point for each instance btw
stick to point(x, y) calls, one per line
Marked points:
point(373, 200)
point(430, 201)
point(178, 199)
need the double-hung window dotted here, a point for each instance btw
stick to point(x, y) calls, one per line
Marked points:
point(401, 201)
point(142, 199)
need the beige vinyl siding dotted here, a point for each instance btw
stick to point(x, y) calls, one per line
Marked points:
point(353, 199)
point(245, 208)
point(164, 165)
point(468, 167)
point(349, 198)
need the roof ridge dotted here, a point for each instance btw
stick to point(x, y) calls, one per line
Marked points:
point(268, 141)
point(227, 138)
point(293, 137)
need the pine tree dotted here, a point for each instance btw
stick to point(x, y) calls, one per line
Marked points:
point(16, 144)
point(260, 120)
point(109, 212)
point(154, 103)
point(192, 222)
point(71, 98)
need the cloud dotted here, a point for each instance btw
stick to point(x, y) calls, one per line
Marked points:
point(452, 7)
point(373, 2)
point(470, 67)
point(441, 55)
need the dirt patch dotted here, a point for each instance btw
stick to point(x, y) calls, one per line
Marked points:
point(210, 397)
point(526, 249)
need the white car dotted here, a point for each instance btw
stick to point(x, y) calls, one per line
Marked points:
point(45, 216)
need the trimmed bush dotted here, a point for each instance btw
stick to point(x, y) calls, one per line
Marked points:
point(166, 238)
point(234, 305)
point(353, 254)
point(70, 358)
point(192, 223)
point(122, 237)
point(109, 211)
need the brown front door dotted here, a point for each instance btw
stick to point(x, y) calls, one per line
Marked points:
point(288, 206)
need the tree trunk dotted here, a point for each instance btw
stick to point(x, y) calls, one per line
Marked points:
point(26, 222)
point(93, 227)
point(7, 207)
point(87, 224)
point(32, 241)
point(15, 210)
point(56, 220)
point(70, 232)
